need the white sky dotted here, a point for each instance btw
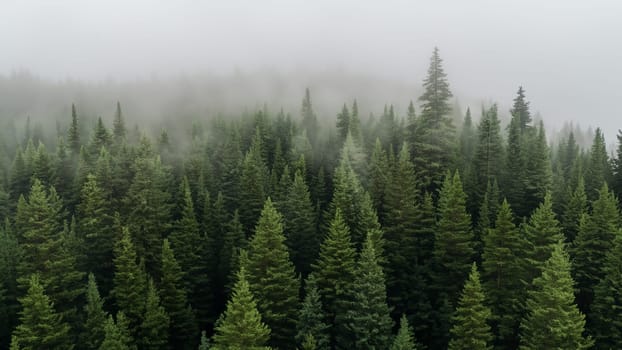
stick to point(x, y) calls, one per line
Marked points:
point(567, 54)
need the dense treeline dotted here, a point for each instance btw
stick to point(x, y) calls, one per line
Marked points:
point(271, 231)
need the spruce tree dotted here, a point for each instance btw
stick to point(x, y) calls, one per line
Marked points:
point(311, 317)
point(605, 323)
point(574, 209)
point(553, 320)
point(598, 169)
point(379, 174)
point(335, 271)
point(241, 326)
point(95, 317)
point(404, 339)
point(453, 245)
point(253, 184)
point(117, 334)
point(130, 281)
point(470, 328)
point(73, 138)
point(272, 278)
point(594, 239)
point(40, 326)
point(183, 330)
point(433, 147)
point(617, 168)
point(489, 152)
point(541, 233)
point(155, 324)
point(299, 226)
point(309, 119)
point(119, 131)
point(502, 265)
point(369, 322)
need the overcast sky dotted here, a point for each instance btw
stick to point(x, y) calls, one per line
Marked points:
point(567, 54)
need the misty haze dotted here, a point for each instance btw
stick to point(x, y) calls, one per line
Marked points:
point(234, 175)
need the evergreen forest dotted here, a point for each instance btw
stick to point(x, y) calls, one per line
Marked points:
point(436, 229)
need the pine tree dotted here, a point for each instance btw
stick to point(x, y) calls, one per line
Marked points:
point(174, 300)
point(598, 170)
point(272, 278)
point(617, 168)
point(311, 317)
point(369, 320)
point(520, 110)
point(240, 326)
point(343, 122)
point(604, 318)
point(379, 174)
point(253, 184)
point(96, 227)
point(502, 266)
point(100, 138)
point(335, 271)
point(73, 138)
point(299, 226)
point(538, 173)
point(433, 147)
point(552, 319)
point(130, 281)
point(594, 239)
point(10, 255)
point(185, 240)
point(40, 326)
point(155, 324)
point(95, 317)
point(541, 233)
point(514, 168)
point(453, 246)
point(574, 209)
point(119, 131)
point(117, 334)
point(489, 152)
point(404, 339)
point(470, 328)
point(309, 119)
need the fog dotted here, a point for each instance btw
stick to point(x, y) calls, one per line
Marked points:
point(211, 55)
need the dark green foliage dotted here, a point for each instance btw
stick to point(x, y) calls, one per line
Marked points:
point(368, 321)
point(40, 326)
point(309, 119)
point(299, 226)
point(119, 132)
point(96, 228)
point(617, 168)
point(240, 326)
point(96, 317)
point(404, 339)
point(253, 184)
point(538, 173)
point(520, 110)
point(183, 331)
point(379, 174)
point(130, 281)
point(553, 320)
point(502, 265)
point(575, 208)
point(470, 328)
point(598, 169)
point(272, 278)
point(10, 254)
point(541, 233)
point(594, 239)
point(117, 334)
point(432, 142)
point(155, 325)
point(453, 245)
point(489, 156)
point(335, 271)
point(311, 318)
point(73, 137)
point(605, 316)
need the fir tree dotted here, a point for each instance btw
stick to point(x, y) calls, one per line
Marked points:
point(520, 110)
point(369, 320)
point(311, 318)
point(617, 168)
point(73, 138)
point(272, 278)
point(95, 317)
point(605, 311)
point(253, 184)
point(598, 169)
point(404, 339)
point(552, 319)
point(433, 148)
point(309, 119)
point(335, 271)
point(119, 131)
point(40, 326)
point(175, 301)
point(502, 266)
point(117, 334)
point(155, 324)
point(130, 281)
point(240, 326)
point(574, 209)
point(470, 328)
point(594, 239)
